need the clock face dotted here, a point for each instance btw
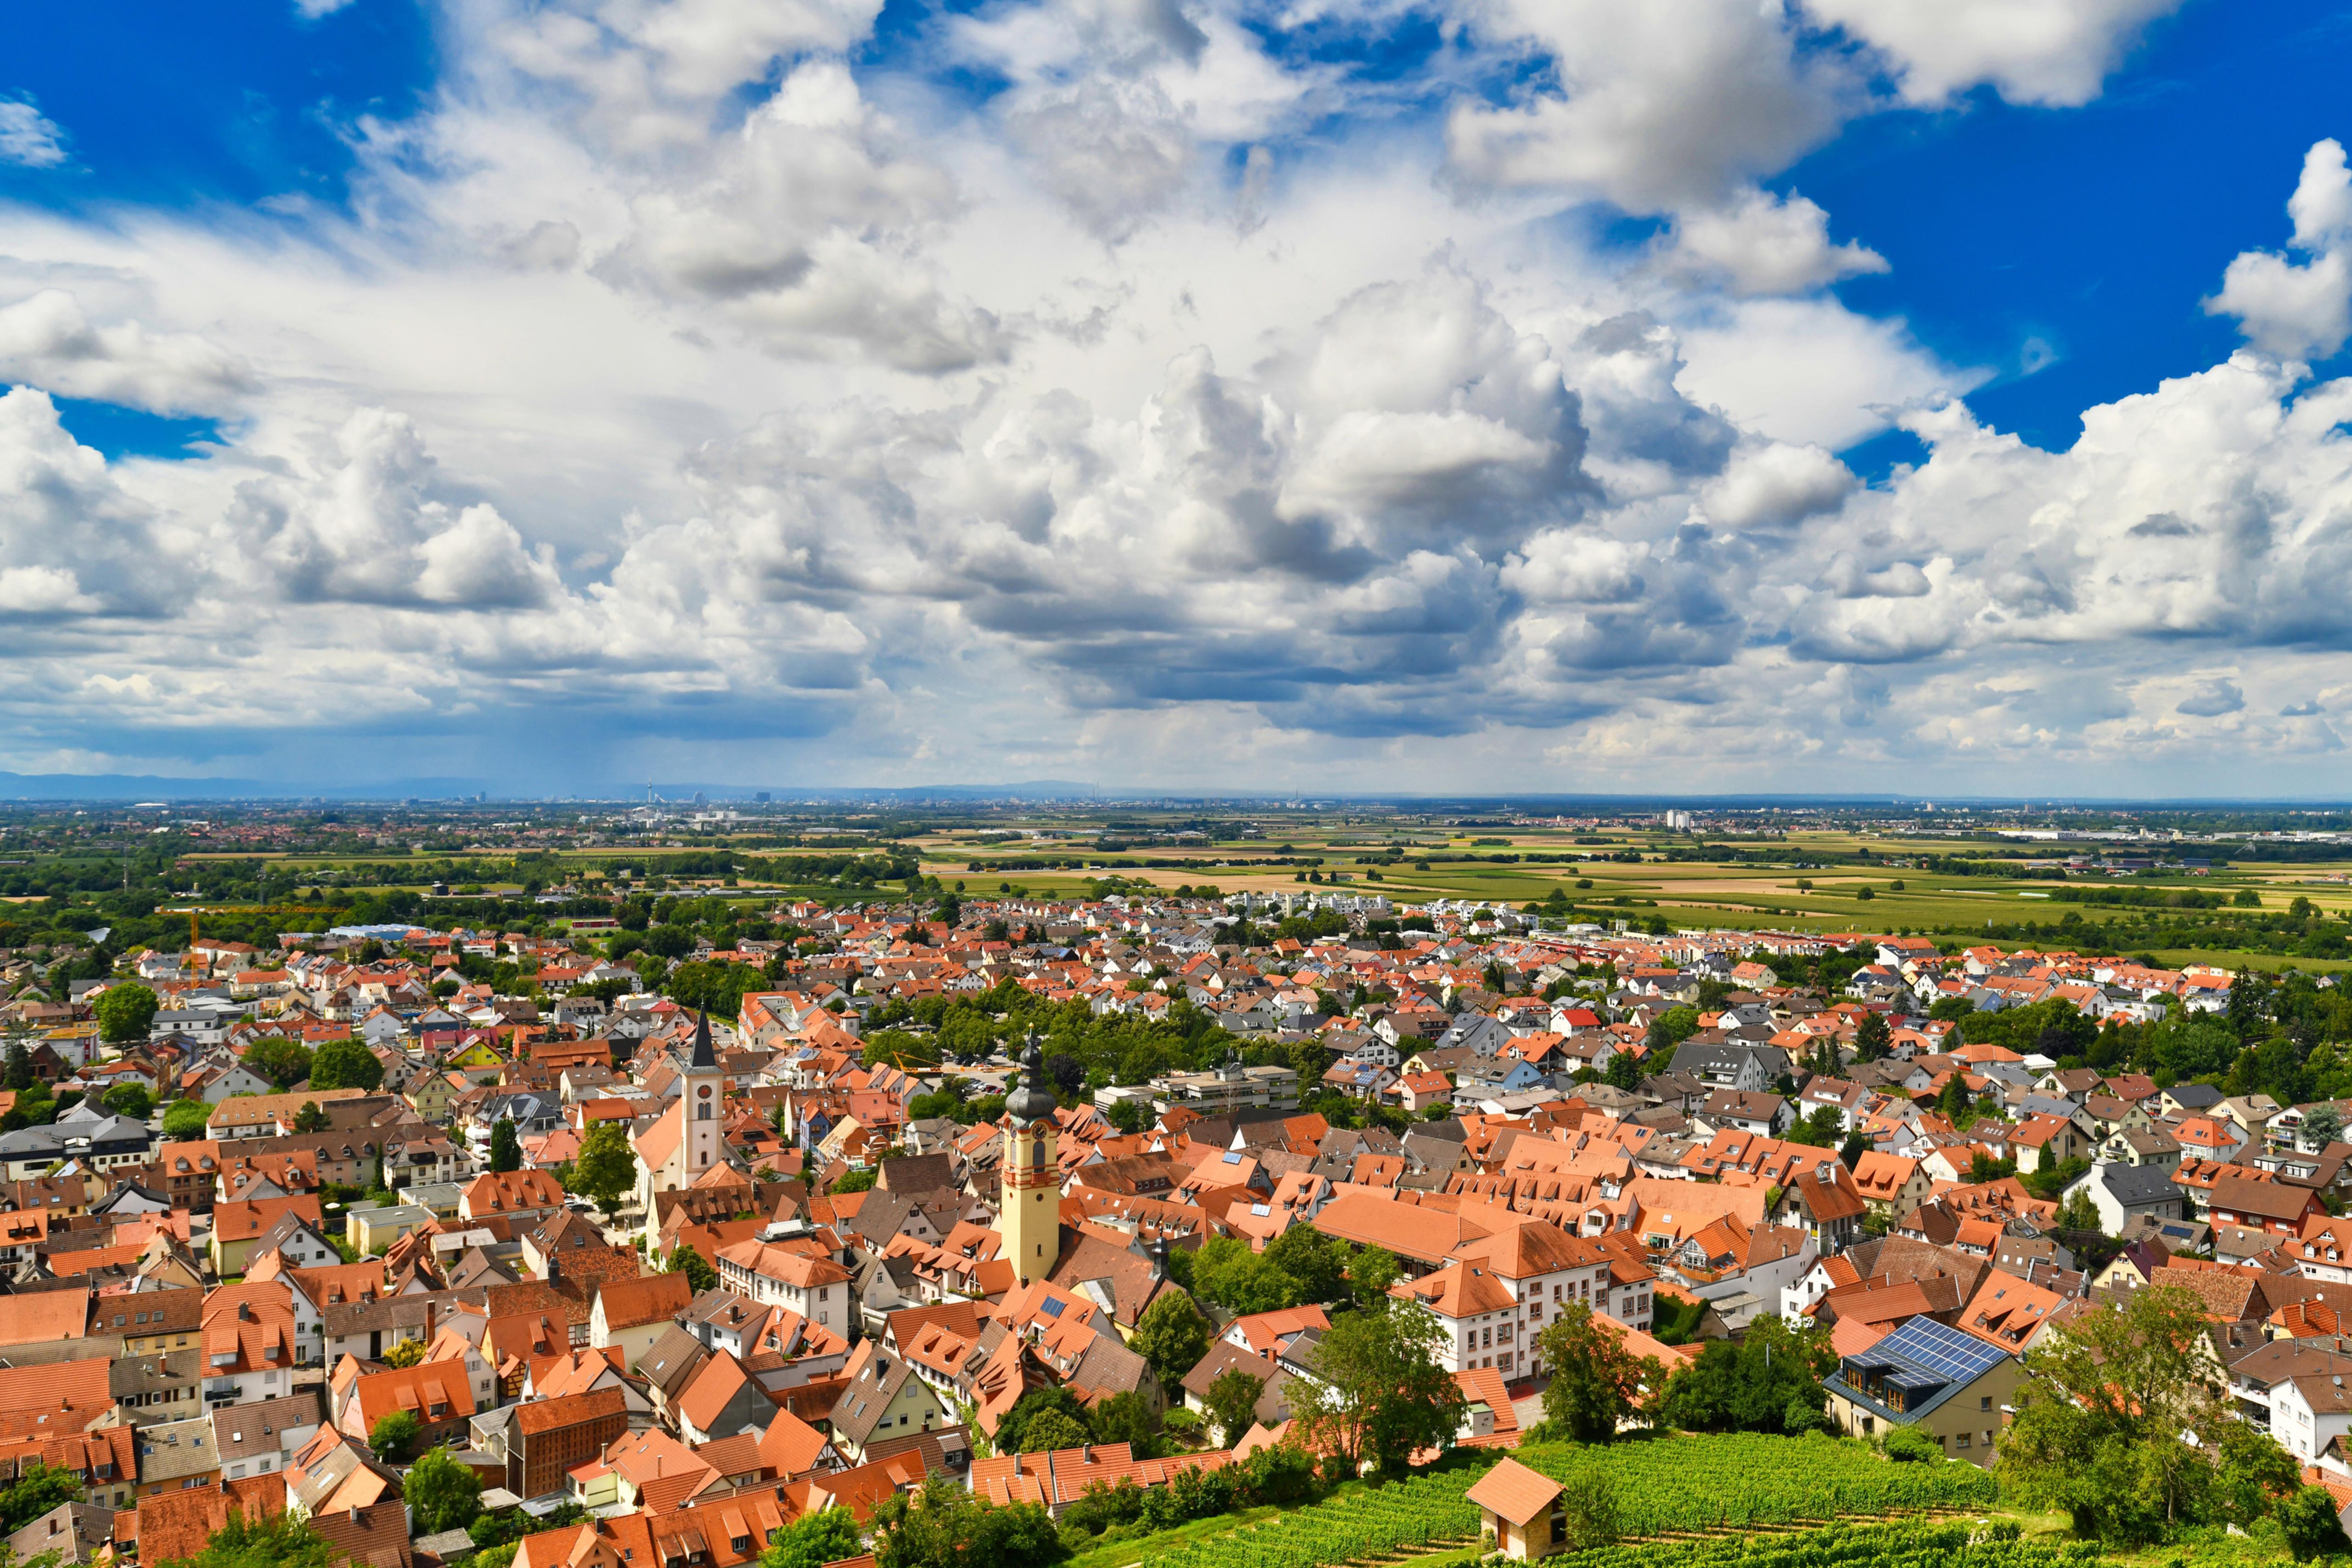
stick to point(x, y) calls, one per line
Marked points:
point(704, 1091)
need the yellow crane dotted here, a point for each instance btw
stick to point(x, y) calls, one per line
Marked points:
point(188, 960)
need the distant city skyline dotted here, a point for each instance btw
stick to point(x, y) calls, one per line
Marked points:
point(1208, 396)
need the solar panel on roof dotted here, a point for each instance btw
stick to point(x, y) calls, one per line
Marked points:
point(1927, 1343)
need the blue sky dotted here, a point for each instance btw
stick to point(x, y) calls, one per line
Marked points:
point(1198, 393)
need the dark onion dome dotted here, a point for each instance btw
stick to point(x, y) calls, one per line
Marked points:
point(1033, 1101)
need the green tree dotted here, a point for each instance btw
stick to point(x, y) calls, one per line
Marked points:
point(20, 1064)
point(125, 1013)
point(185, 1119)
point(856, 1181)
point(697, 1268)
point(506, 1148)
point(2078, 1212)
point(1319, 1262)
point(403, 1353)
point(2308, 1519)
point(1588, 1504)
point(346, 1064)
point(1231, 1400)
point(1669, 1029)
point(1821, 1130)
point(1125, 1418)
point(1872, 1038)
point(281, 1541)
point(1127, 1116)
point(1622, 1072)
point(2121, 1426)
point(446, 1494)
point(1172, 1336)
point(1910, 1445)
point(1053, 1430)
point(1768, 1382)
point(130, 1099)
point(1011, 1434)
point(947, 1527)
point(310, 1118)
point(1953, 1100)
point(1224, 1270)
point(607, 1167)
point(1596, 1382)
point(1370, 1274)
point(1381, 1394)
point(395, 1437)
point(2251, 1472)
point(282, 1061)
point(814, 1540)
point(39, 1488)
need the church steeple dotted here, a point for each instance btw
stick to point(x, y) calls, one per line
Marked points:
point(701, 1099)
point(1032, 1099)
point(1029, 1211)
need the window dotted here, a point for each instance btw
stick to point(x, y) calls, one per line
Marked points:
point(1963, 1440)
point(1984, 1402)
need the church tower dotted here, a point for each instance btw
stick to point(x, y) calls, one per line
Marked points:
point(703, 1098)
point(1029, 1217)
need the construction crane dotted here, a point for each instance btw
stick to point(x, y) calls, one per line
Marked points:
point(188, 960)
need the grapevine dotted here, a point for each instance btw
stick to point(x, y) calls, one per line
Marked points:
point(1670, 1487)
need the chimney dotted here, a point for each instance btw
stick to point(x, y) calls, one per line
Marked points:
point(428, 1322)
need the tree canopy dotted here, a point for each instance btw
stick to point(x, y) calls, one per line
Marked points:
point(2121, 1426)
point(1012, 1432)
point(814, 1540)
point(1383, 1393)
point(40, 1487)
point(346, 1064)
point(187, 1119)
point(125, 1013)
point(947, 1527)
point(446, 1494)
point(395, 1437)
point(697, 1269)
point(506, 1148)
point(1596, 1382)
point(1172, 1336)
point(1768, 1382)
point(1233, 1403)
point(607, 1167)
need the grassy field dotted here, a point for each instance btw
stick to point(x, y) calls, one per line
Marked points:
point(1811, 883)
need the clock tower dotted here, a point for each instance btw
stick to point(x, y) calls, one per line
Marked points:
point(704, 1097)
point(1029, 1215)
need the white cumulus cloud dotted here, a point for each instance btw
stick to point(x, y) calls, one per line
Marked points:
point(2301, 310)
point(29, 138)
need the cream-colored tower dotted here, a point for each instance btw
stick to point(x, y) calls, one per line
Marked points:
point(704, 1097)
point(1029, 1212)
